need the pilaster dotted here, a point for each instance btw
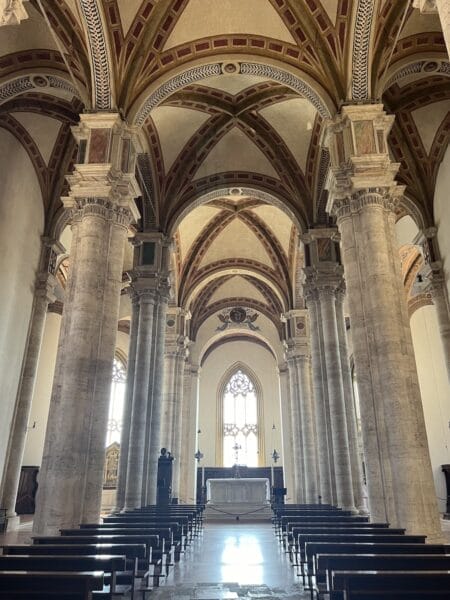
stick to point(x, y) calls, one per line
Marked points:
point(442, 7)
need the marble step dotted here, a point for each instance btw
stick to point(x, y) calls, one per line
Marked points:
point(239, 511)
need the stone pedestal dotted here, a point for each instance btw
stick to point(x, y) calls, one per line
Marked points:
point(363, 196)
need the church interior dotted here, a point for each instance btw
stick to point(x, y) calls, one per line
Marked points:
point(225, 255)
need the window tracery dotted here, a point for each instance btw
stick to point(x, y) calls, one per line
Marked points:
point(240, 421)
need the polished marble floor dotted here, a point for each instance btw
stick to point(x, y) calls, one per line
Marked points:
point(231, 561)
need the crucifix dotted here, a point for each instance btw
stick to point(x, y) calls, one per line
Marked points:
point(236, 449)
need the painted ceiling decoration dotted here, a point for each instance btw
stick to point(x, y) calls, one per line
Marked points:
point(230, 105)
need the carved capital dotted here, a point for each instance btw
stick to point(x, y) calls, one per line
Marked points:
point(360, 162)
point(12, 12)
point(104, 208)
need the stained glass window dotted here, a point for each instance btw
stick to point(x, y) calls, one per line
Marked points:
point(240, 422)
point(116, 403)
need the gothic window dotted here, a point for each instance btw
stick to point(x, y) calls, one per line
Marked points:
point(116, 402)
point(240, 421)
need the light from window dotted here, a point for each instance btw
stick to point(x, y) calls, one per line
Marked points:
point(240, 422)
point(116, 403)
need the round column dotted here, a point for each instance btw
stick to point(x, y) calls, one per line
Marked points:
point(294, 388)
point(320, 406)
point(154, 426)
point(400, 482)
point(303, 364)
point(43, 295)
point(356, 467)
point(70, 482)
point(344, 488)
point(127, 414)
point(135, 467)
point(440, 300)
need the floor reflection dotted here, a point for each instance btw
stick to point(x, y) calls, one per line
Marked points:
point(242, 559)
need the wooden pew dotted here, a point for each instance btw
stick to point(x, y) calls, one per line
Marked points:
point(373, 538)
point(362, 585)
point(44, 585)
point(288, 523)
point(109, 564)
point(313, 549)
point(366, 530)
point(325, 563)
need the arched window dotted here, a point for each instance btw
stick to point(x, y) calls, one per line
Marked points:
point(116, 402)
point(241, 426)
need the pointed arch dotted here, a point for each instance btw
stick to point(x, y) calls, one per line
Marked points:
point(247, 375)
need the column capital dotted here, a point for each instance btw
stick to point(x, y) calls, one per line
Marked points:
point(12, 12)
point(45, 286)
point(106, 161)
point(361, 171)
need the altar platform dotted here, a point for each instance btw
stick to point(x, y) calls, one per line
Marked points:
point(238, 500)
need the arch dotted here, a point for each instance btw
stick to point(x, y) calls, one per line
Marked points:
point(99, 56)
point(204, 197)
point(38, 82)
point(234, 270)
point(197, 70)
point(364, 21)
point(223, 337)
point(237, 367)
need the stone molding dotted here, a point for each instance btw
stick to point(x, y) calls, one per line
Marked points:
point(103, 208)
point(12, 12)
point(361, 171)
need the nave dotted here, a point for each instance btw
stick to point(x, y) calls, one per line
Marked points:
point(307, 551)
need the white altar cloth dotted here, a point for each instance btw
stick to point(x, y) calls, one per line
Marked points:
point(235, 491)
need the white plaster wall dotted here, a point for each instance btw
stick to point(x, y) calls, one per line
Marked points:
point(42, 391)
point(21, 226)
point(261, 362)
point(442, 213)
point(435, 390)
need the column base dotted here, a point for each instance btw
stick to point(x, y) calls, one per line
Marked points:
point(13, 522)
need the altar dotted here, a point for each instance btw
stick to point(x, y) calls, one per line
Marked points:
point(224, 491)
point(238, 499)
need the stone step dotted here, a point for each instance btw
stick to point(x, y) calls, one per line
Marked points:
point(237, 512)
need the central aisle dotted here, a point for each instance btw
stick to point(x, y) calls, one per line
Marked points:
point(231, 561)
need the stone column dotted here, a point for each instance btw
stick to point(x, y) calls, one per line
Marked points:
point(352, 430)
point(102, 189)
point(174, 362)
point(363, 197)
point(189, 436)
point(443, 8)
point(287, 453)
point(298, 360)
point(144, 292)
point(148, 286)
point(43, 295)
point(433, 272)
point(341, 452)
point(154, 424)
point(325, 460)
point(127, 413)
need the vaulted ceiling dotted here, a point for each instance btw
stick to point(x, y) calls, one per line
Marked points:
point(231, 98)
